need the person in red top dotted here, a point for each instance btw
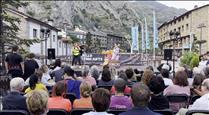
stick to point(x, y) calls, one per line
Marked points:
point(127, 90)
point(57, 101)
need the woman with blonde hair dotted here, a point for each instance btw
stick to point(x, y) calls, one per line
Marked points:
point(46, 78)
point(37, 102)
point(85, 100)
point(147, 75)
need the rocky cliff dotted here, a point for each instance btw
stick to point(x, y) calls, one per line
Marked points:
point(107, 16)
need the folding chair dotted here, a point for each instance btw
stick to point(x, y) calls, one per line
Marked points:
point(80, 111)
point(57, 112)
point(70, 96)
point(14, 112)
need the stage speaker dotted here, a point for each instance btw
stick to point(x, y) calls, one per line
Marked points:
point(168, 54)
point(51, 53)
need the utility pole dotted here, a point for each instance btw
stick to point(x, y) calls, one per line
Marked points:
point(202, 25)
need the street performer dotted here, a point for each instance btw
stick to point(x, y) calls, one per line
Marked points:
point(76, 54)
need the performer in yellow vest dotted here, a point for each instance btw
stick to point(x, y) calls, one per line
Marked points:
point(76, 55)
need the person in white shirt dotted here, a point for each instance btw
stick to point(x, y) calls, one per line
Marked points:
point(100, 102)
point(46, 78)
point(165, 74)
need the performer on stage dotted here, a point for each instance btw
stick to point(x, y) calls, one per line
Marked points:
point(76, 55)
point(115, 55)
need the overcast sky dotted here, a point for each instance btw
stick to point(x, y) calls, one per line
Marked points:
point(188, 5)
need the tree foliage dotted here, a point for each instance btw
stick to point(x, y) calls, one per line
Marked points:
point(191, 59)
point(10, 27)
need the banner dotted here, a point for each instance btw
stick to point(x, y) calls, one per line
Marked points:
point(155, 32)
point(147, 35)
point(143, 41)
point(135, 35)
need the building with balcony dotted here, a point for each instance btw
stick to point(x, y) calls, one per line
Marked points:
point(192, 24)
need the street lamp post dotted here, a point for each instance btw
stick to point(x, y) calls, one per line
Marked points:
point(46, 35)
point(174, 36)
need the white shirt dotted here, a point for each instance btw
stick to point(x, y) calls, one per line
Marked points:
point(97, 113)
point(45, 80)
point(168, 81)
point(201, 104)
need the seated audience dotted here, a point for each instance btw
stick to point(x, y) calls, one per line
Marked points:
point(85, 100)
point(180, 85)
point(94, 72)
point(165, 74)
point(150, 68)
point(37, 102)
point(119, 100)
point(58, 71)
point(158, 101)
point(34, 84)
point(87, 77)
point(202, 102)
point(197, 83)
point(106, 78)
point(147, 75)
point(46, 78)
point(130, 75)
point(140, 95)
point(72, 82)
point(57, 101)
point(100, 102)
point(123, 76)
point(14, 100)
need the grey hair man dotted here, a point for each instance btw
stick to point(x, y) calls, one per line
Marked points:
point(14, 100)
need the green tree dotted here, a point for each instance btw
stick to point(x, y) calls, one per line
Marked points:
point(191, 59)
point(9, 27)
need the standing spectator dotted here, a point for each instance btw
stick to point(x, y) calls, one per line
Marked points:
point(106, 78)
point(14, 100)
point(37, 102)
point(73, 84)
point(85, 100)
point(30, 66)
point(14, 63)
point(100, 102)
point(140, 95)
point(35, 84)
point(119, 100)
point(158, 100)
point(87, 77)
point(57, 101)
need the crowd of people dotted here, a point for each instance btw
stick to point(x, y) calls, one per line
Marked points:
point(37, 89)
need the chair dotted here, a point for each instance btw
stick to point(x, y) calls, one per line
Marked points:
point(191, 112)
point(108, 87)
point(70, 96)
point(80, 111)
point(116, 111)
point(177, 101)
point(57, 112)
point(164, 111)
point(14, 112)
point(193, 99)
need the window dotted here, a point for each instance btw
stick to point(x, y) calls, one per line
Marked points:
point(179, 19)
point(60, 44)
point(187, 26)
point(34, 33)
point(179, 29)
point(53, 38)
point(182, 28)
point(182, 18)
point(187, 16)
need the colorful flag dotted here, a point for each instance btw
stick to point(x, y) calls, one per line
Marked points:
point(143, 41)
point(155, 32)
point(135, 34)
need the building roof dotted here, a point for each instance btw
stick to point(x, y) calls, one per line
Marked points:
point(186, 13)
point(32, 19)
